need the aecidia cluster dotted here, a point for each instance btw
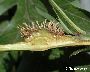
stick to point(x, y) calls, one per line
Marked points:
point(27, 31)
point(51, 26)
point(47, 35)
point(43, 35)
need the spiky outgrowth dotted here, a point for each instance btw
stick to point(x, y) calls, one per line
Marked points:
point(51, 26)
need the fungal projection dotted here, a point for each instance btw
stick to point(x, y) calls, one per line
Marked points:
point(44, 36)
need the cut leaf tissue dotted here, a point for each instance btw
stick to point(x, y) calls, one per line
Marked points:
point(44, 36)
